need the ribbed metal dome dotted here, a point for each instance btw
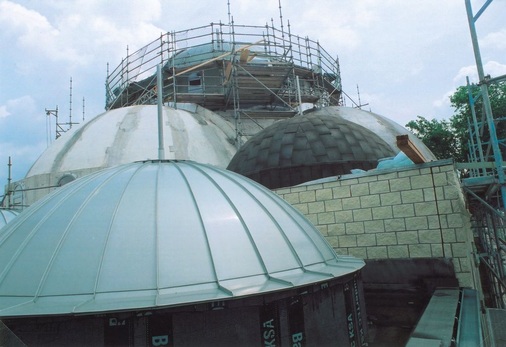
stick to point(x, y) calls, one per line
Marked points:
point(156, 234)
point(308, 147)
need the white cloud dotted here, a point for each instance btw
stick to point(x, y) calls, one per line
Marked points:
point(496, 40)
point(3, 111)
point(466, 71)
point(444, 101)
point(17, 19)
point(33, 33)
point(21, 105)
point(74, 37)
point(492, 68)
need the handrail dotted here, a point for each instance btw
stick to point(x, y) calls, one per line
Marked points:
point(268, 43)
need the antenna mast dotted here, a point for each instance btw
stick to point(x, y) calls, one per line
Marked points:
point(360, 104)
point(54, 112)
point(70, 105)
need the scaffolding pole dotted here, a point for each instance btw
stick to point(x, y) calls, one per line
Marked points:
point(483, 82)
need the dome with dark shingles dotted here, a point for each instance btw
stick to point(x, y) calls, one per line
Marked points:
point(308, 147)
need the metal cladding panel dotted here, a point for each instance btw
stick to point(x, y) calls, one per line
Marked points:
point(157, 233)
point(6, 216)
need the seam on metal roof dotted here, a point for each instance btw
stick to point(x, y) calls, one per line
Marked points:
point(237, 212)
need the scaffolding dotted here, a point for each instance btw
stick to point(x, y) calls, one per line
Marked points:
point(256, 71)
point(486, 189)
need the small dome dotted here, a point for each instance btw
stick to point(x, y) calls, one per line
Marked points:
point(308, 147)
point(324, 142)
point(156, 234)
point(6, 216)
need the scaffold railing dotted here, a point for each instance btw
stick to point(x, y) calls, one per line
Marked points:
point(489, 226)
point(179, 51)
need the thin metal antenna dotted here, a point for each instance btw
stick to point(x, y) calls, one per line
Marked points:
point(70, 107)
point(83, 108)
point(359, 101)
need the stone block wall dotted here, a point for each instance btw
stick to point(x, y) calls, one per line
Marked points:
point(412, 212)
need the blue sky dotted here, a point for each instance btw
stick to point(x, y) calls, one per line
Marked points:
point(406, 56)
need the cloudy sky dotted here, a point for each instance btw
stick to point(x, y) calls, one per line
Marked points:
point(406, 56)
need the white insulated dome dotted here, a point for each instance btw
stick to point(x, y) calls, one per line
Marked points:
point(128, 134)
point(157, 234)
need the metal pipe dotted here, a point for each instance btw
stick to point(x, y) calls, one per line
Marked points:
point(298, 94)
point(475, 123)
point(9, 181)
point(161, 151)
point(486, 99)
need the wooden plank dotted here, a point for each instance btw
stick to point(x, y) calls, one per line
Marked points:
point(409, 148)
point(243, 58)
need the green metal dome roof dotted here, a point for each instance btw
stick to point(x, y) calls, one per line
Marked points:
point(157, 234)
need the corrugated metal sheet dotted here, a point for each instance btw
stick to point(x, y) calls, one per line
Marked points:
point(157, 233)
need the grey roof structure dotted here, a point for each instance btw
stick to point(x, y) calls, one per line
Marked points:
point(308, 147)
point(156, 234)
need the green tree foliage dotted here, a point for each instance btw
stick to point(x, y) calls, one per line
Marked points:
point(449, 138)
point(438, 135)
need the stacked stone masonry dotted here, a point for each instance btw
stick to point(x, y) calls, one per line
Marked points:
point(412, 212)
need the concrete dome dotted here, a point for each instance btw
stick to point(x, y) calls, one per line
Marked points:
point(157, 234)
point(125, 135)
point(128, 134)
point(325, 142)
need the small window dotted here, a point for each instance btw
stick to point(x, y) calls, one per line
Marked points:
point(195, 82)
point(66, 179)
